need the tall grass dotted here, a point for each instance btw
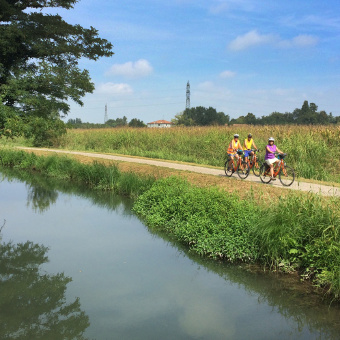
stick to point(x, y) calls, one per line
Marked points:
point(313, 151)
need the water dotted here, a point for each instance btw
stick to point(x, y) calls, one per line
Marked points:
point(132, 283)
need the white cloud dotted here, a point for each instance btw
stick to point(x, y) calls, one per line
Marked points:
point(304, 40)
point(112, 88)
point(227, 74)
point(139, 68)
point(253, 38)
point(249, 39)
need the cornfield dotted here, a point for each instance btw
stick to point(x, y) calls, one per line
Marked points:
point(313, 151)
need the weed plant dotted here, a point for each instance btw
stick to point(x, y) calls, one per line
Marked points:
point(313, 151)
point(209, 221)
point(303, 233)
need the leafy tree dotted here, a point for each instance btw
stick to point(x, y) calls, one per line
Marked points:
point(136, 123)
point(117, 122)
point(39, 56)
point(201, 116)
point(308, 114)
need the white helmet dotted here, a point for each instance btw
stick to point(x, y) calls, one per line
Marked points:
point(270, 139)
point(236, 135)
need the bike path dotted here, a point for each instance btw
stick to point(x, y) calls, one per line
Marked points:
point(324, 190)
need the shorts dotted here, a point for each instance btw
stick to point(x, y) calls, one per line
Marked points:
point(247, 153)
point(271, 160)
point(232, 154)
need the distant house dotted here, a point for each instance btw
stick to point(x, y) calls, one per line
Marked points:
point(160, 124)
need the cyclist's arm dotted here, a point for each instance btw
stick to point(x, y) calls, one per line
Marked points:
point(254, 145)
point(279, 151)
point(267, 148)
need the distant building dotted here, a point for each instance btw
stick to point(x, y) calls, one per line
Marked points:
point(160, 124)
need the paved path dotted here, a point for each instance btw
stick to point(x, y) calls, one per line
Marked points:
point(297, 185)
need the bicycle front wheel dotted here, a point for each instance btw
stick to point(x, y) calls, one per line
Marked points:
point(256, 169)
point(264, 174)
point(228, 168)
point(243, 170)
point(287, 176)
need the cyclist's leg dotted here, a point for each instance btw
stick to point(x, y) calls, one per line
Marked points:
point(231, 160)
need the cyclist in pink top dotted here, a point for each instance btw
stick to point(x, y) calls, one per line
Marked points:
point(270, 158)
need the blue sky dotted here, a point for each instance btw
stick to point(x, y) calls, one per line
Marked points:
point(239, 56)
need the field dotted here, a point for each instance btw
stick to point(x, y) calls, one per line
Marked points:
point(313, 151)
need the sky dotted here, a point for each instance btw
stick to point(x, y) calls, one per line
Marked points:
point(239, 56)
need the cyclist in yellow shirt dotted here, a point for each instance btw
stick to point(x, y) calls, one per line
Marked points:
point(248, 145)
point(233, 147)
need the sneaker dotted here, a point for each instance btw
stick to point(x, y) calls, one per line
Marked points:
point(273, 178)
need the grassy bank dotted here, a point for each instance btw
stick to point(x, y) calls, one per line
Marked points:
point(299, 233)
point(95, 175)
point(296, 232)
point(312, 150)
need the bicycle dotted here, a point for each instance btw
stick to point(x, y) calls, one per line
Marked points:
point(240, 166)
point(286, 173)
point(253, 163)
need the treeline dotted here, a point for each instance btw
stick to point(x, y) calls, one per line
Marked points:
point(119, 122)
point(200, 116)
point(307, 115)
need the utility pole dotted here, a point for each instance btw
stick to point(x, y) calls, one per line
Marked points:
point(105, 117)
point(188, 96)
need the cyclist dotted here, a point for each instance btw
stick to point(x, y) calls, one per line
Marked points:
point(233, 147)
point(247, 146)
point(270, 158)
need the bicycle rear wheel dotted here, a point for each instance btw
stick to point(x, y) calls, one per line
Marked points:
point(228, 169)
point(264, 174)
point(243, 170)
point(256, 169)
point(287, 176)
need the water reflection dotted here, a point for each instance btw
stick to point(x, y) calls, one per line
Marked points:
point(43, 192)
point(296, 301)
point(33, 304)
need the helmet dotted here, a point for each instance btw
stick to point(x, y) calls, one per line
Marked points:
point(270, 139)
point(250, 135)
point(236, 135)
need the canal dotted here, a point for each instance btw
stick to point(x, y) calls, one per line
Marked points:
point(78, 264)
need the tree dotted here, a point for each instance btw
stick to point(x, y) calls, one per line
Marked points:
point(201, 116)
point(134, 122)
point(39, 52)
point(117, 122)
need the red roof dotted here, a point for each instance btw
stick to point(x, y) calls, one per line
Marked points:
point(160, 122)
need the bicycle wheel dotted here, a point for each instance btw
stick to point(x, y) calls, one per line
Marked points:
point(228, 169)
point(287, 176)
point(256, 169)
point(264, 174)
point(243, 170)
